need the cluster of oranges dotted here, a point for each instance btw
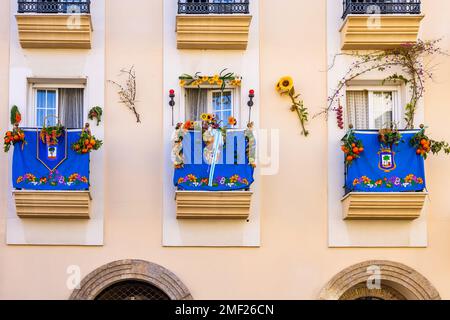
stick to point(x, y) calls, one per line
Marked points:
point(13, 137)
point(424, 147)
point(86, 144)
point(352, 151)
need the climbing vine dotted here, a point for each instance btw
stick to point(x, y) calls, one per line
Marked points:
point(410, 58)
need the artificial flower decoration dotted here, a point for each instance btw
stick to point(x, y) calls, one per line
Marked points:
point(286, 87)
point(285, 84)
point(232, 121)
point(96, 113)
point(16, 117)
point(222, 80)
point(50, 135)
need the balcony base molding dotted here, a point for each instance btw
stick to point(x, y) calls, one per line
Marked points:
point(393, 31)
point(52, 205)
point(54, 31)
point(213, 32)
point(213, 205)
point(383, 206)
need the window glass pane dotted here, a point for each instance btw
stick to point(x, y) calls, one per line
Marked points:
point(40, 117)
point(382, 109)
point(46, 107)
point(222, 105)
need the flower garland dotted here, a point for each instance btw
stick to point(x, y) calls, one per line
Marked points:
point(424, 145)
point(54, 179)
point(96, 113)
point(87, 142)
point(408, 181)
point(286, 87)
point(352, 147)
point(222, 80)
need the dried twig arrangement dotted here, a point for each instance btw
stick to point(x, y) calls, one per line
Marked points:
point(127, 92)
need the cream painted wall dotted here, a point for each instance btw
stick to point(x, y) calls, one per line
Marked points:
point(294, 261)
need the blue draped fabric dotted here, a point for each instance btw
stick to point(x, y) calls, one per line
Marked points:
point(34, 164)
point(233, 171)
point(382, 170)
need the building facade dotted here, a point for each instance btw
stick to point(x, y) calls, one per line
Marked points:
point(295, 233)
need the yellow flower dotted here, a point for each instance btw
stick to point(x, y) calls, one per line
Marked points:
point(285, 84)
point(205, 79)
point(220, 82)
point(216, 78)
point(182, 83)
point(204, 117)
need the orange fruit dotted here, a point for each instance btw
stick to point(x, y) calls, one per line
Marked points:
point(349, 158)
point(353, 145)
point(423, 142)
point(92, 142)
point(355, 150)
point(419, 151)
point(16, 138)
point(361, 149)
point(77, 147)
point(84, 151)
point(9, 133)
point(86, 142)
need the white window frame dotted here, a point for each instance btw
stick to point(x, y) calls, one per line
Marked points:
point(35, 107)
point(397, 109)
point(32, 106)
point(235, 97)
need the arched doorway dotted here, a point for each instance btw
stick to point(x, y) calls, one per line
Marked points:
point(396, 282)
point(131, 280)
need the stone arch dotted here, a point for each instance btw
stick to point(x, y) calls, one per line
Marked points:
point(394, 277)
point(129, 270)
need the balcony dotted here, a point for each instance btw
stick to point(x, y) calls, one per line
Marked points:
point(213, 173)
point(61, 24)
point(383, 182)
point(213, 25)
point(379, 25)
point(51, 179)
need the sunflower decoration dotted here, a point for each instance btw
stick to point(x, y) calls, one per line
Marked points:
point(221, 80)
point(285, 87)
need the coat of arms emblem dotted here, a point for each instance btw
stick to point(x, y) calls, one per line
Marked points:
point(387, 160)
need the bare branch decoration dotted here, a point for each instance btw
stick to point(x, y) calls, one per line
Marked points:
point(127, 92)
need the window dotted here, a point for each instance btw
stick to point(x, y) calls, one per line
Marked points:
point(214, 101)
point(53, 104)
point(373, 109)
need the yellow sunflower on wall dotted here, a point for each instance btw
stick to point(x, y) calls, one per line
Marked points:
point(285, 84)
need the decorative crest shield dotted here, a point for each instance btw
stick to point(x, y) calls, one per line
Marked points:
point(387, 160)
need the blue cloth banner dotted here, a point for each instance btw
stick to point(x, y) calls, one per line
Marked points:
point(232, 171)
point(380, 169)
point(37, 166)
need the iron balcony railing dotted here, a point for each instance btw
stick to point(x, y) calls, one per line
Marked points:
point(381, 7)
point(54, 6)
point(213, 6)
